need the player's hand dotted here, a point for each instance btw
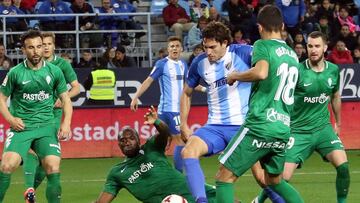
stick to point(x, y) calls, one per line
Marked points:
point(186, 132)
point(134, 104)
point(230, 79)
point(64, 133)
point(58, 104)
point(150, 116)
point(17, 124)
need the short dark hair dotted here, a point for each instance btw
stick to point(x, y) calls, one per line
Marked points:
point(174, 38)
point(121, 49)
point(217, 31)
point(121, 133)
point(317, 34)
point(299, 43)
point(270, 18)
point(30, 34)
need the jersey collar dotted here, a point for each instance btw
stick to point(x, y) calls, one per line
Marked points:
point(26, 66)
point(307, 63)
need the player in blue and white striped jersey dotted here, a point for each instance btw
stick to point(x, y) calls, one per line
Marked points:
point(227, 105)
point(170, 72)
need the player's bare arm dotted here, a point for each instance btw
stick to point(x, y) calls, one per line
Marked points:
point(144, 86)
point(16, 123)
point(105, 198)
point(151, 118)
point(258, 72)
point(73, 92)
point(185, 103)
point(64, 132)
point(336, 107)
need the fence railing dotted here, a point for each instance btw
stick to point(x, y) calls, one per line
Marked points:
point(77, 32)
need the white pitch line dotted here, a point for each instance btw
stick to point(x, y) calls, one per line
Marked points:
point(247, 175)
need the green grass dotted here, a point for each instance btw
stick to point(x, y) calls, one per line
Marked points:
point(83, 179)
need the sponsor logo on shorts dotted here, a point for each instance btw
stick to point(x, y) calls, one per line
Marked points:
point(273, 116)
point(41, 96)
point(267, 145)
point(335, 141)
point(321, 99)
point(144, 167)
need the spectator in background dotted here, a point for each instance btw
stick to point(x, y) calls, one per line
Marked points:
point(197, 10)
point(59, 23)
point(101, 83)
point(87, 60)
point(324, 27)
point(293, 13)
point(241, 14)
point(28, 6)
point(238, 36)
point(326, 10)
point(162, 53)
point(299, 38)
point(310, 19)
point(343, 18)
point(12, 24)
point(108, 58)
point(123, 61)
point(6, 65)
point(215, 16)
point(108, 23)
point(86, 23)
point(300, 51)
point(346, 36)
point(340, 54)
point(125, 22)
point(195, 36)
point(356, 55)
point(176, 19)
point(3, 56)
point(197, 50)
point(67, 57)
point(287, 38)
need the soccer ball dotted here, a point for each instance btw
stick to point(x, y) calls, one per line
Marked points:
point(174, 199)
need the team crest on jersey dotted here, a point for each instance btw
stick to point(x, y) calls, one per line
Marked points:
point(329, 82)
point(48, 79)
point(228, 66)
point(5, 81)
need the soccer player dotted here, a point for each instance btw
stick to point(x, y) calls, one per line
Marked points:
point(32, 85)
point(146, 173)
point(170, 72)
point(266, 130)
point(311, 128)
point(227, 105)
point(33, 171)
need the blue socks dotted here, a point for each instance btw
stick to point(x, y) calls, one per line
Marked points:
point(195, 178)
point(275, 198)
point(178, 161)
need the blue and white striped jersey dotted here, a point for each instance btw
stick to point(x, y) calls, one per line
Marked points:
point(227, 105)
point(170, 75)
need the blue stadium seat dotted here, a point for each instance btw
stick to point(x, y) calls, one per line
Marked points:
point(37, 6)
point(157, 6)
point(185, 5)
point(218, 5)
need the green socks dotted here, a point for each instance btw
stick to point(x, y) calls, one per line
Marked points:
point(262, 196)
point(342, 182)
point(53, 190)
point(224, 192)
point(29, 168)
point(4, 184)
point(287, 192)
point(39, 176)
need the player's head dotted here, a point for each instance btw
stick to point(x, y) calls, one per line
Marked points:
point(316, 47)
point(32, 46)
point(49, 44)
point(216, 38)
point(270, 20)
point(129, 142)
point(174, 47)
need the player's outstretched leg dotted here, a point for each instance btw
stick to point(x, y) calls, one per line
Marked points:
point(40, 175)
point(342, 182)
point(178, 161)
point(4, 184)
point(53, 190)
point(29, 167)
point(286, 191)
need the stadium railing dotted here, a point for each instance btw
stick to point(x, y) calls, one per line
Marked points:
point(145, 52)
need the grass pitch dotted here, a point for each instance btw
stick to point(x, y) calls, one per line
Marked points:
point(83, 179)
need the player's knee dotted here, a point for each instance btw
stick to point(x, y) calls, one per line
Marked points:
point(8, 167)
point(189, 152)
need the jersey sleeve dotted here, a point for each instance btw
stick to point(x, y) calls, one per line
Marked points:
point(245, 52)
point(69, 72)
point(112, 186)
point(157, 71)
point(60, 84)
point(337, 84)
point(193, 76)
point(259, 53)
point(7, 85)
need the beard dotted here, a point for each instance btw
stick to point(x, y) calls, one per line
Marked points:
point(35, 61)
point(316, 61)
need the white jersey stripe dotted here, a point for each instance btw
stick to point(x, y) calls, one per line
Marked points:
point(234, 146)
